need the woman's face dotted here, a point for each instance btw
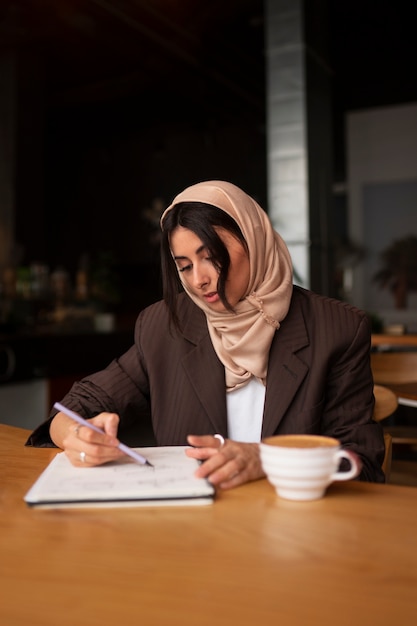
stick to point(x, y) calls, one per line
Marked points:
point(200, 275)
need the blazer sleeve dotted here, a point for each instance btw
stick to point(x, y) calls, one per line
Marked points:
point(349, 404)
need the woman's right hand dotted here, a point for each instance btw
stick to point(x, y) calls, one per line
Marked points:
point(84, 446)
point(231, 464)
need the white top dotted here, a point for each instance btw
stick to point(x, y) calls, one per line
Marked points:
point(245, 407)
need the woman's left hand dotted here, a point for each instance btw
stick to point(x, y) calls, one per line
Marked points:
point(225, 465)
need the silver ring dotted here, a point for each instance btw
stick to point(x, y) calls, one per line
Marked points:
point(221, 439)
point(82, 457)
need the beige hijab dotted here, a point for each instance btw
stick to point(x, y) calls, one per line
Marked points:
point(242, 339)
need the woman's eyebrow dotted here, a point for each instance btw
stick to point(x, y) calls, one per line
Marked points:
point(198, 251)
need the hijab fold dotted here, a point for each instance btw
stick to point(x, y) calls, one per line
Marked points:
point(242, 339)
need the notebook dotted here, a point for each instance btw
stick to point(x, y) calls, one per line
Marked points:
point(170, 481)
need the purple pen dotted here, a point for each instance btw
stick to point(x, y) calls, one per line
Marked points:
point(77, 418)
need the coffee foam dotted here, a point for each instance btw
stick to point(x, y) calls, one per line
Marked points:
point(301, 441)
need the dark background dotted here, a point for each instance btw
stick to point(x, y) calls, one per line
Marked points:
point(122, 103)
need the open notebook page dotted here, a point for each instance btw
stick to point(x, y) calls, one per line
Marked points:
point(171, 480)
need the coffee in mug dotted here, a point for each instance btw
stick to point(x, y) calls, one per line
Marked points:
point(301, 467)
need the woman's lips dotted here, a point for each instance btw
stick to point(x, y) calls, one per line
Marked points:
point(211, 297)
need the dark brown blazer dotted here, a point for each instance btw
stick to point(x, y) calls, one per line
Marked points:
point(319, 379)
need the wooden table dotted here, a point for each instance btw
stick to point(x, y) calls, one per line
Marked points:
point(248, 559)
point(405, 391)
point(382, 340)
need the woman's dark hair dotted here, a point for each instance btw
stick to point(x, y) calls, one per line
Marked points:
point(201, 219)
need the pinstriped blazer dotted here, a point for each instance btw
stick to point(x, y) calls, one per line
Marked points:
point(319, 379)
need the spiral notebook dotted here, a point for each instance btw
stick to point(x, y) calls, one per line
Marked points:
point(170, 481)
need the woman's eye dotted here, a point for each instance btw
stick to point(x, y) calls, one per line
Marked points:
point(185, 268)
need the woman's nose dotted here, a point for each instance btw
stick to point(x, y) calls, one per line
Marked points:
point(200, 278)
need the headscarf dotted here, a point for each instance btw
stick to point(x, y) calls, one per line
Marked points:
point(242, 339)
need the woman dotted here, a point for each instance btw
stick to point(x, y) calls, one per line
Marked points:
point(241, 354)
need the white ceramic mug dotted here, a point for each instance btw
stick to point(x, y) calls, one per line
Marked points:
point(301, 467)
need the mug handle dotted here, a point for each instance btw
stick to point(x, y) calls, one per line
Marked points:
point(355, 465)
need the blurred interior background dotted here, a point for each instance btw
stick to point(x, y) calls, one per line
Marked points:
point(108, 108)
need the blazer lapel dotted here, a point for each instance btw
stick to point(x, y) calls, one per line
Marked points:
point(205, 372)
point(286, 371)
